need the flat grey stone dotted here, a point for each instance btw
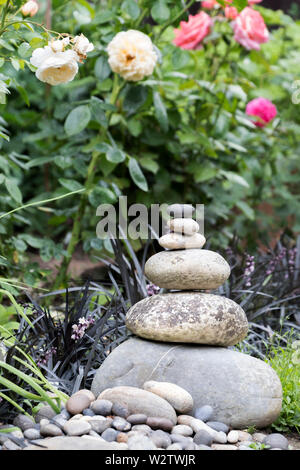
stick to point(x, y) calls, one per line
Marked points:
point(204, 413)
point(45, 412)
point(276, 440)
point(242, 390)
point(102, 407)
point(217, 426)
point(188, 317)
point(77, 427)
point(187, 269)
point(179, 398)
point(110, 434)
point(75, 443)
point(100, 426)
point(140, 401)
point(23, 422)
point(203, 438)
point(32, 434)
point(140, 442)
point(180, 210)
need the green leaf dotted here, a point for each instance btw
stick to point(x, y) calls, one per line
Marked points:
point(24, 50)
point(235, 178)
point(131, 8)
point(102, 69)
point(160, 111)
point(204, 174)
point(77, 120)
point(98, 113)
point(137, 175)
point(24, 94)
point(136, 96)
point(71, 185)
point(115, 155)
point(13, 190)
point(149, 164)
point(100, 195)
point(246, 209)
point(160, 12)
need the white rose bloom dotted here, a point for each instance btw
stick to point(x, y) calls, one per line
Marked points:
point(55, 68)
point(30, 8)
point(131, 54)
point(59, 45)
point(82, 45)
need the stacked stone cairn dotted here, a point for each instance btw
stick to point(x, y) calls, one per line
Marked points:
point(185, 337)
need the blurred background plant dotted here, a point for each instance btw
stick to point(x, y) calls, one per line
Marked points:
point(181, 134)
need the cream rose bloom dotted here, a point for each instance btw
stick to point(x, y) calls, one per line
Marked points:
point(82, 45)
point(59, 45)
point(131, 54)
point(30, 8)
point(55, 68)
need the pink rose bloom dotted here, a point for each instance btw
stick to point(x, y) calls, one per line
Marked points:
point(253, 2)
point(263, 109)
point(209, 4)
point(231, 13)
point(192, 32)
point(250, 29)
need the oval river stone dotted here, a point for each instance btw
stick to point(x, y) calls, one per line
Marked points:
point(188, 317)
point(242, 390)
point(187, 269)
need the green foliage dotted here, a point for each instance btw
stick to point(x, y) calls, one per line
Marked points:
point(180, 135)
point(285, 363)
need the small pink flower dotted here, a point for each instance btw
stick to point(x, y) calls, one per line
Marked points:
point(231, 13)
point(263, 109)
point(209, 4)
point(250, 29)
point(253, 2)
point(192, 32)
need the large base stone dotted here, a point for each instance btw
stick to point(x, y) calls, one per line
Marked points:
point(242, 390)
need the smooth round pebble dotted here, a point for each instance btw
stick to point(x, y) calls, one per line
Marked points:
point(137, 419)
point(161, 439)
point(183, 225)
point(223, 447)
point(122, 437)
point(77, 428)
point(120, 424)
point(23, 422)
point(77, 403)
point(244, 436)
point(142, 428)
point(32, 434)
point(182, 429)
point(203, 437)
point(110, 435)
point(65, 414)
point(179, 399)
point(180, 210)
point(217, 426)
point(259, 436)
point(204, 413)
point(88, 412)
point(276, 440)
point(87, 393)
point(100, 426)
point(233, 437)
point(203, 447)
point(175, 446)
point(120, 410)
point(159, 423)
point(102, 407)
point(141, 442)
point(50, 430)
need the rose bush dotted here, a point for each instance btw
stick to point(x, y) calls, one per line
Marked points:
point(170, 128)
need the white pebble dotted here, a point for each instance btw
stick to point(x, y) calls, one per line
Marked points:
point(233, 437)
